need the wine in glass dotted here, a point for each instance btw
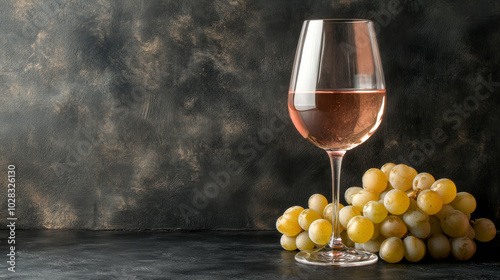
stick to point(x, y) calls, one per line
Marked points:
point(336, 101)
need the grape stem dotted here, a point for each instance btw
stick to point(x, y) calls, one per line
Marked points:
point(415, 193)
point(336, 163)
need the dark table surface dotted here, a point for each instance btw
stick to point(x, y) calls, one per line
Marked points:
point(54, 254)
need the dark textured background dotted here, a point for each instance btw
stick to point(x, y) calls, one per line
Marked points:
point(172, 114)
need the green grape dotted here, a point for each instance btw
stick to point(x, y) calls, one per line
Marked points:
point(470, 233)
point(421, 230)
point(374, 180)
point(423, 181)
point(396, 202)
point(320, 231)
point(429, 201)
point(389, 187)
point(401, 177)
point(287, 226)
point(360, 229)
point(358, 246)
point(288, 242)
point(446, 189)
point(341, 228)
point(328, 211)
point(443, 211)
point(455, 223)
point(414, 249)
point(485, 230)
point(317, 202)
point(346, 214)
point(393, 226)
point(414, 217)
point(375, 211)
point(350, 192)
point(303, 241)
point(293, 212)
point(464, 202)
point(438, 246)
point(410, 192)
point(462, 248)
point(373, 245)
point(382, 196)
point(346, 240)
point(307, 217)
point(392, 250)
point(362, 197)
point(386, 168)
point(435, 225)
point(318, 246)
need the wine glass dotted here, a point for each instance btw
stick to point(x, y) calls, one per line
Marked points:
point(336, 101)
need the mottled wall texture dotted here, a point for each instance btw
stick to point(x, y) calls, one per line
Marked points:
point(172, 114)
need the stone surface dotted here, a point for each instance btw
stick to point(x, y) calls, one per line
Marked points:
point(126, 114)
point(208, 255)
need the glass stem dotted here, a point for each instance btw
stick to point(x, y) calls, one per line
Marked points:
point(336, 163)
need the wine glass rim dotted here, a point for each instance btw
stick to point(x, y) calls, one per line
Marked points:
point(341, 20)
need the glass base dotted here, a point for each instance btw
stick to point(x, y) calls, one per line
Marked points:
point(336, 257)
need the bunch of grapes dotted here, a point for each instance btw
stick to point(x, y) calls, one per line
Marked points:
point(398, 213)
